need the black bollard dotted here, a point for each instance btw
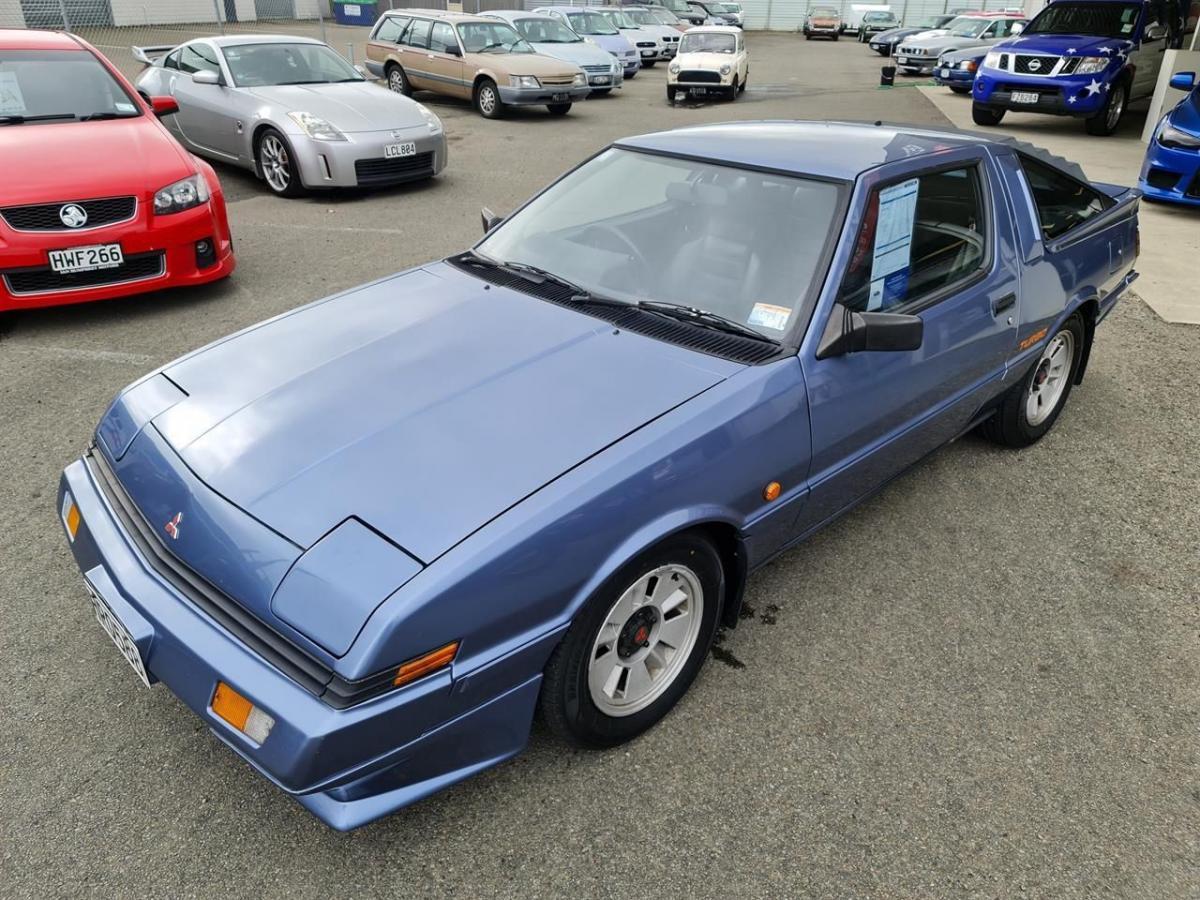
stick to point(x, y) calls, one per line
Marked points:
point(887, 76)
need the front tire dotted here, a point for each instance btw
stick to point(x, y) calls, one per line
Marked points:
point(648, 63)
point(1032, 406)
point(959, 90)
point(1108, 119)
point(277, 166)
point(487, 99)
point(986, 115)
point(601, 92)
point(671, 91)
point(559, 109)
point(636, 646)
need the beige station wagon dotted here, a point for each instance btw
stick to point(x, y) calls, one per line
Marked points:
point(480, 59)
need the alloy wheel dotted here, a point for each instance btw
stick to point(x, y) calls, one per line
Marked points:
point(1050, 378)
point(273, 157)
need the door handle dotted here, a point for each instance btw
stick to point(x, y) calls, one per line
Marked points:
point(1008, 301)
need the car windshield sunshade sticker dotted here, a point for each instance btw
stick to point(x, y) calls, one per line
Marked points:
point(893, 244)
point(12, 101)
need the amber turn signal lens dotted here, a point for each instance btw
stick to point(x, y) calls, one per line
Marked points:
point(424, 665)
point(772, 490)
point(70, 516)
point(241, 713)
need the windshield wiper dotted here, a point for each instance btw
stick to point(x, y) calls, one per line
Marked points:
point(538, 275)
point(703, 318)
point(97, 116)
point(21, 120)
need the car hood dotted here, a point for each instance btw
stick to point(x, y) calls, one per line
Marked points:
point(895, 34)
point(705, 60)
point(350, 107)
point(425, 405)
point(957, 56)
point(613, 43)
point(523, 64)
point(825, 21)
point(578, 54)
point(934, 43)
point(123, 156)
point(1186, 116)
point(1058, 44)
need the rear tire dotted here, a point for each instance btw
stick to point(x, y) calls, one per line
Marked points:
point(487, 99)
point(1109, 118)
point(586, 698)
point(1032, 405)
point(559, 109)
point(986, 115)
point(397, 81)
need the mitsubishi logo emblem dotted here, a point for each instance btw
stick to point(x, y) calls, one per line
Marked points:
point(172, 527)
point(73, 215)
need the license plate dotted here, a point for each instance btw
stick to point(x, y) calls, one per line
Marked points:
point(392, 151)
point(86, 259)
point(902, 60)
point(118, 633)
point(1024, 97)
point(559, 98)
point(945, 73)
point(699, 92)
point(647, 53)
point(601, 79)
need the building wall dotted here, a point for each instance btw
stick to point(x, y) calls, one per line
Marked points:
point(787, 15)
point(11, 16)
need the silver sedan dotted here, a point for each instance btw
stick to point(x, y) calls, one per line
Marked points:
point(293, 111)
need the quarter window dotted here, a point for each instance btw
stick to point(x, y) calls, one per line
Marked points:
point(390, 29)
point(918, 236)
point(198, 58)
point(418, 34)
point(1062, 202)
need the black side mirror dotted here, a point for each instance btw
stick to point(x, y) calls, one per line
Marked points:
point(490, 219)
point(848, 331)
point(452, 50)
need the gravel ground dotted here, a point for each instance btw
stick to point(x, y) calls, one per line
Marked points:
point(983, 683)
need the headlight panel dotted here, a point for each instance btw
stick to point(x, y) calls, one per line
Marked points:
point(316, 127)
point(992, 60)
point(725, 69)
point(434, 123)
point(524, 81)
point(1170, 136)
point(673, 68)
point(1090, 65)
point(183, 194)
point(580, 80)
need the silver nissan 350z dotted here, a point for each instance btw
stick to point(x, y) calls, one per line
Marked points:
point(292, 110)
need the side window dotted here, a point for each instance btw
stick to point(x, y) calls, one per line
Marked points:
point(1062, 202)
point(418, 34)
point(994, 30)
point(442, 37)
point(390, 29)
point(917, 236)
point(196, 58)
point(172, 60)
point(1010, 25)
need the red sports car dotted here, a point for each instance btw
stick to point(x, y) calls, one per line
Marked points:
point(97, 200)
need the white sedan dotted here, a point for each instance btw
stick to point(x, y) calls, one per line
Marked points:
point(712, 59)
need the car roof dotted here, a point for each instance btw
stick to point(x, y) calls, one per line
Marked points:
point(713, 29)
point(238, 40)
point(514, 14)
point(32, 39)
point(837, 150)
point(454, 17)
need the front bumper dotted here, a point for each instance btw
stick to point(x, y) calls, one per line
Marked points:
point(606, 80)
point(1055, 96)
point(916, 65)
point(348, 766)
point(631, 64)
point(359, 161)
point(953, 77)
point(24, 255)
point(884, 47)
point(823, 31)
point(542, 96)
point(1171, 174)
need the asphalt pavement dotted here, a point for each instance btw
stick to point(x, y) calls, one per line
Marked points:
point(982, 683)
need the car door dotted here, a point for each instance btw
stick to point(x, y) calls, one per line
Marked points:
point(414, 53)
point(743, 58)
point(445, 60)
point(164, 83)
point(932, 241)
point(205, 115)
point(1147, 55)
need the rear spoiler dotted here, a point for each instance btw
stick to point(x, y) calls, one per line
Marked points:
point(150, 53)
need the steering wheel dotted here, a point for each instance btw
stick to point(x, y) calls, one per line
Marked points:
point(602, 234)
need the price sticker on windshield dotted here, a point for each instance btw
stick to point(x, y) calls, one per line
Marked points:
point(12, 101)
point(768, 315)
point(893, 244)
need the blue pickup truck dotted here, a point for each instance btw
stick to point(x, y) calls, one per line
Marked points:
point(367, 560)
point(1082, 58)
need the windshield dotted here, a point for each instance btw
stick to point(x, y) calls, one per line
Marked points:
point(707, 42)
point(635, 226)
point(618, 18)
point(546, 31)
point(258, 65)
point(968, 27)
point(824, 12)
point(664, 16)
point(58, 86)
point(879, 17)
point(492, 37)
point(731, 7)
point(591, 23)
point(640, 17)
point(1111, 20)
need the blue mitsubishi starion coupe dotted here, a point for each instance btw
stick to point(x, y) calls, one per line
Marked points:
point(366, 540)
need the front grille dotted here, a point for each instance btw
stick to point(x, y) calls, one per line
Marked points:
point(558, 82)
point(597, 70)
point(393, 171)
point(649, 44)
point(716, 343)
point(1033, 65)
point(43, 279)
point(44, 216)
point(699, 76)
